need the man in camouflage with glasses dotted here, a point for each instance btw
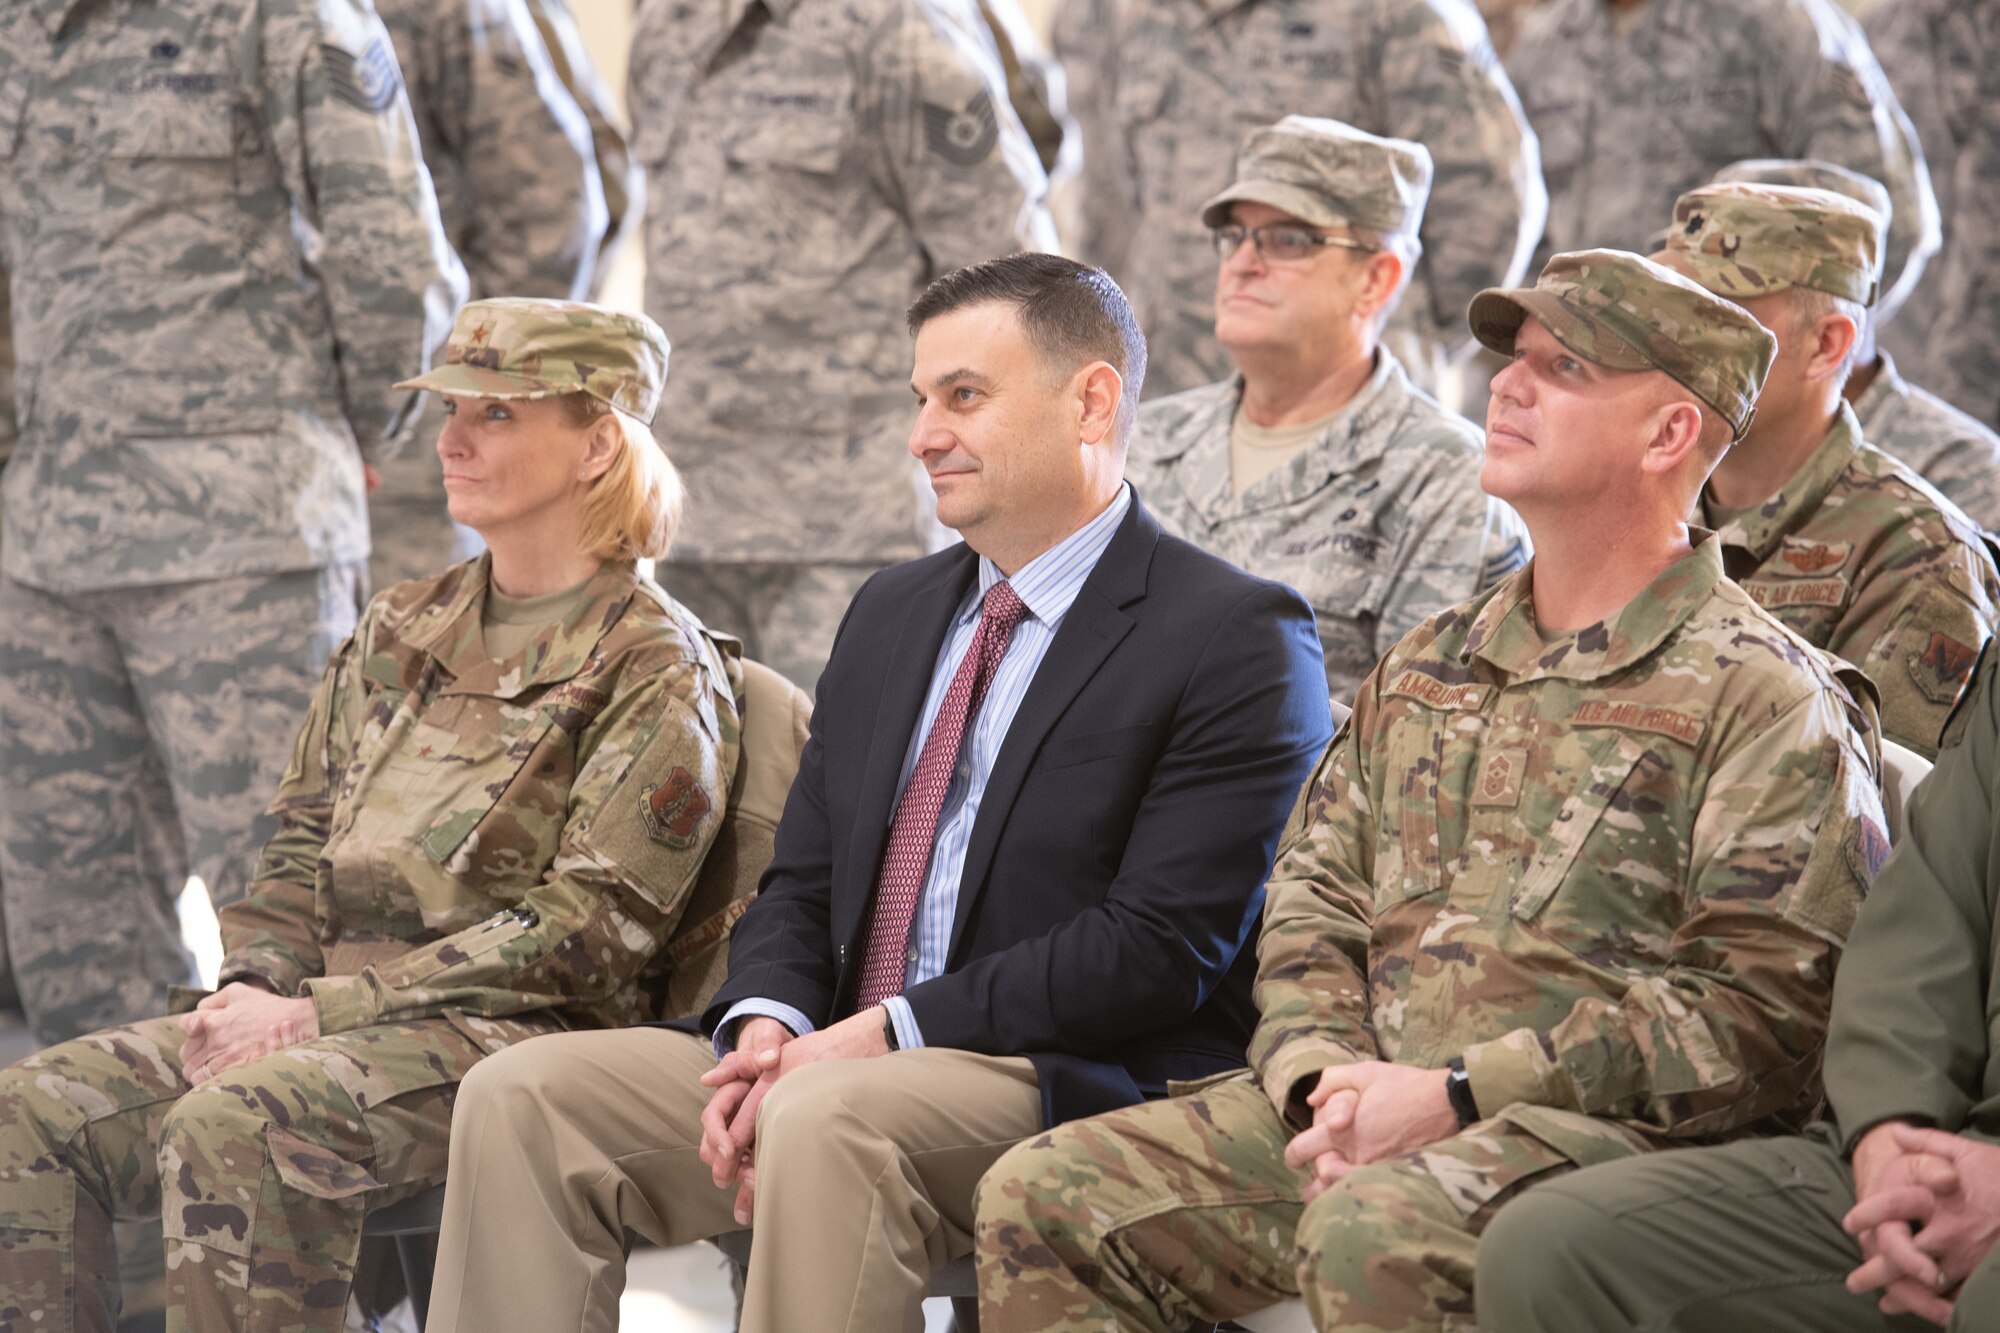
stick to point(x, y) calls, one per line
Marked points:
point(1318, 463)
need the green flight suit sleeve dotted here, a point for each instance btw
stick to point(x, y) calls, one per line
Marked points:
point(1910, 1020)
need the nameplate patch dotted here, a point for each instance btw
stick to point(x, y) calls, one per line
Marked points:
point(1777, 594)
point(1434, 693)
point(1673, 723)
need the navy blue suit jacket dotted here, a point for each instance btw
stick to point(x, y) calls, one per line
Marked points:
point(1116, 868)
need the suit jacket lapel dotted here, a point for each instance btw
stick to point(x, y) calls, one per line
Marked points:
point(1095, 626)
point(906, 681)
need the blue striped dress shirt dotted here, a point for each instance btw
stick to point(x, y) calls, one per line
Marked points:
point(1048, 585)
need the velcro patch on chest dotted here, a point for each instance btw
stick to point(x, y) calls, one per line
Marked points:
point(1434, 693)
point(1654, 719)
point(1500, 775)
point(673, 810)
point(1777, 594)
point(1802, 558)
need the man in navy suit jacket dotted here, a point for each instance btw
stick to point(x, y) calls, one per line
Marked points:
point(1028, 840)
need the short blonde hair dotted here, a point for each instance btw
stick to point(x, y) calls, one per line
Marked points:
point(633, 510)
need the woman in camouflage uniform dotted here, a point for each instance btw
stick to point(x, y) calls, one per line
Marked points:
point(490, 826)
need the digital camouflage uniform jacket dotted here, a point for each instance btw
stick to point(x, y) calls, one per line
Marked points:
point(225, 251)
point(1859, 556)
point(1612, 869)
point(1194, 77)
point(494, 840)
point(811, 166)
point(1380, 521)
point(1946, 447)
point(1634, 108)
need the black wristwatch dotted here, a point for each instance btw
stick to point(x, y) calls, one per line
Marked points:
point(1458, 1090)
point(889, 1029)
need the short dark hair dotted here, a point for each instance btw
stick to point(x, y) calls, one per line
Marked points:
point(1074, 314)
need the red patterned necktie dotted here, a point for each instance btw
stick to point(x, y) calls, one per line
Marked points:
point(914, 831)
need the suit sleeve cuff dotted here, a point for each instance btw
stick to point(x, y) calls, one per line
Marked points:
point(909, 1036)
point(725, 1031)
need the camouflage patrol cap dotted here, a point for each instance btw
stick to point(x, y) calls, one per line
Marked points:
point(1325, 173)
point(525, 347)
point(1742, 240)
point(1623, 312)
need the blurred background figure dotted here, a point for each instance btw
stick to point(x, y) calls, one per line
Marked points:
point(811, 165)
point(1193, 75)
point(1637, 101)
point(221, 244)
point(514, 158)
point(1950, 450)
point(618, 172)
point(1941, 56)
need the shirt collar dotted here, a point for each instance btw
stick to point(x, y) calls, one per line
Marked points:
point(456, 639)
point(1761, 530)
point(1048, 585)
point(1505, 634)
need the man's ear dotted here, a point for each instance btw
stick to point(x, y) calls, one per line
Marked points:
point(1832, 338)
point(1675, 439)
point(1101, 391)
point(1381, 276)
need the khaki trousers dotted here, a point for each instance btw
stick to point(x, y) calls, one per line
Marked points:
point(865, 1179)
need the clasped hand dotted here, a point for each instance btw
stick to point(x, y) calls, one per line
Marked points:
point(1369, 1112)
point(1927, 1214)
point(241, 1023)
point(765, 1052)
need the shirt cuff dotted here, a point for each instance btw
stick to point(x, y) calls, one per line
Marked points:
point(342, 1004)
point(909, 1036)
point(1512, 1068)
point(725, 1031)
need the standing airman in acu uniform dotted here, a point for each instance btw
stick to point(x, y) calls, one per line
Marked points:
point(1636, 101)
point(1194, 75)
point(223, 246)
point(811, 165)
point(1851, 549)
point(1318, 463)
point(1569, 886)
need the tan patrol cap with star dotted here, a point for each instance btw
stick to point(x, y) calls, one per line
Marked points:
point(526, 347)
point(1743, 240)
point(1325, 173)
point(1623, 312)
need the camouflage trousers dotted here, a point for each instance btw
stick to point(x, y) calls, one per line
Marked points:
point(262, 1176)
point(411, 534)
point(116, 706)
point(1182, 1212)
point(786, 615)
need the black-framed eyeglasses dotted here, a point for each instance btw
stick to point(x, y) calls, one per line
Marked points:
point(1278, 242)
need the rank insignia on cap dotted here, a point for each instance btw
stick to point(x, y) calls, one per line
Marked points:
point(963, 136)
point(672, 812)
point(367, 82)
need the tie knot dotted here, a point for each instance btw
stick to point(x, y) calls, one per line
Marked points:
point(1003, 607)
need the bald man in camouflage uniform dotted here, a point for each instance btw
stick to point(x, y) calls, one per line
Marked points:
point(811, 165)
point(1193, 76)
point(223, 247)
point(1637, 102)
point(1950, 450)
point(1840, 541)
point(1554, 895)
point(1318, 463)
point(512, 157)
